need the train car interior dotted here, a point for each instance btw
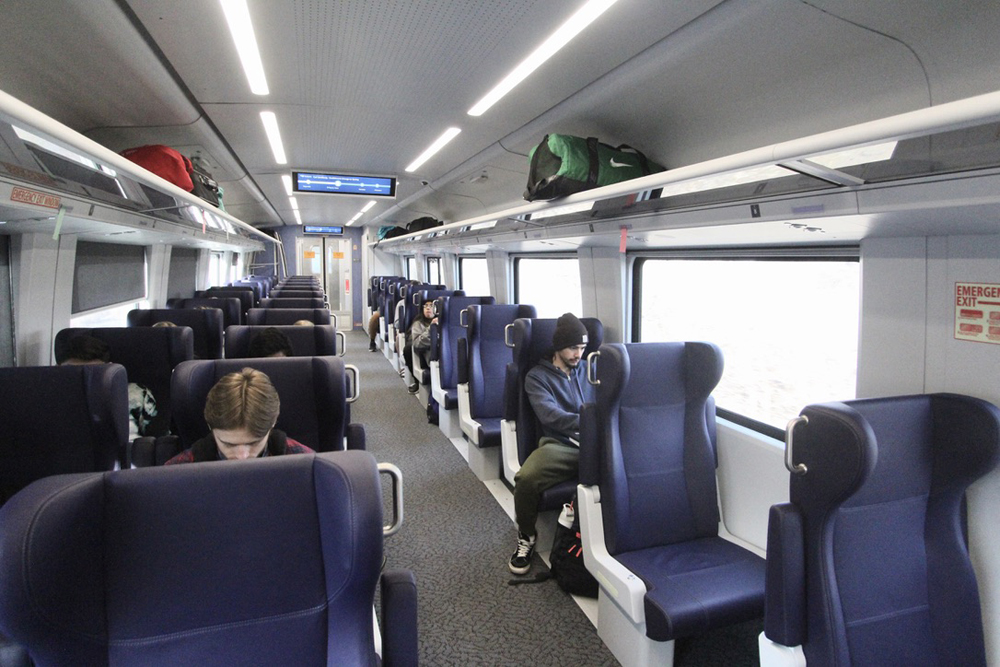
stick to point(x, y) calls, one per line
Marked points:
point(777, 222)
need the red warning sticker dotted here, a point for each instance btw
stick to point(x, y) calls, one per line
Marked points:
point(977, 312)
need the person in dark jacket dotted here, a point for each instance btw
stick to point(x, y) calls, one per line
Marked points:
point(556, 389)
point(418, 339)
point(241, 410)
point(270, 343)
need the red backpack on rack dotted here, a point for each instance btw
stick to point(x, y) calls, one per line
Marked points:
point(163, 161)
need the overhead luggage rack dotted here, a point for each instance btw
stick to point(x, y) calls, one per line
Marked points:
point(53, 179)
point(947, 139)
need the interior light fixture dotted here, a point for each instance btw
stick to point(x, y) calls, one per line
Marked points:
point(273, 136)
point(368, 206)
point(294, 202)
point(567, 31)
point(241, 28)
point(440, 143)
point(298, 218)
point(287, 180)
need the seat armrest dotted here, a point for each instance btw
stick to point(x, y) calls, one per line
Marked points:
point(399, 618)
point(355, 435)
point(784, 601)
point(589, 456)
point(148, 451)
point(617, 581)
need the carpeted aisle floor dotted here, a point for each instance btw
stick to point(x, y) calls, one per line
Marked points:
point(457, 540)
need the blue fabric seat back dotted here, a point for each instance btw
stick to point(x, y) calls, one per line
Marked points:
point(149, 355)
point(287, 302)
point(488, 354)
point(60, 420)
point(313, 393)
point(287, 293)
point(271, 561)
point(258, 288)
point(532, 343)
point(657, 468)
point(246, 295)
point(206, 326)
point(232, 312)
point(311, 341)
point(273, 316)
point(888, 578)
point(444, 347)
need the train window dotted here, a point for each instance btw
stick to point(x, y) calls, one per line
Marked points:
point(411, 268)
point(550, 284)
point(434, 270)
point(788, 329)
point(107, 274)
point(216, 269)
point(473, 276)
point(114, 316)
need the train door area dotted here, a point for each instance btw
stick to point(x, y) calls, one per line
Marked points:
point(328, 258)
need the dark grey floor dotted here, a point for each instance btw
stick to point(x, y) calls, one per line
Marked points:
point(457, 540)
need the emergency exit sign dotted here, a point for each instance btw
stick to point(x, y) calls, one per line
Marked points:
point(977, 312)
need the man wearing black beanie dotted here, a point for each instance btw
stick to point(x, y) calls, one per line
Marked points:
point(556, 388)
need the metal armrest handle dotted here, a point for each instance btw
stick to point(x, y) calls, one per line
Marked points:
point(343, 342)
point(463, 320)
point(397, 497)
point(356, 384)
point(508, 338)
point(799, 469)
point(592, 367)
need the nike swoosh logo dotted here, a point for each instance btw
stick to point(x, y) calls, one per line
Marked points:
point(619, 164)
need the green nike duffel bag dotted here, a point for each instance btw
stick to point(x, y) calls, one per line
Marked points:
point(563, 164)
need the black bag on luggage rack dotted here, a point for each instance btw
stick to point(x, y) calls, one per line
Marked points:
point(420, 224)
point(205, 186)
point(563, 164)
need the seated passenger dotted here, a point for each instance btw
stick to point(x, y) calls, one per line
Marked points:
point(304, 323)
point(88, 350)
point(556, 389)
point(269, 343)
point(418, 339)
point(164, 323)
point(241, 410)
point(373, 330)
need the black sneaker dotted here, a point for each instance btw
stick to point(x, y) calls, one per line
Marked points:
point(371, 347)
point(520, 561)
point(413, 388)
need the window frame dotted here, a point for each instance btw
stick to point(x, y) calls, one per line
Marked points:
point(427, 267)
point(461, 276)
point(516, 258)
point(840, 253)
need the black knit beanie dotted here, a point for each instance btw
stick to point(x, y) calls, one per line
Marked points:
point(569, 332)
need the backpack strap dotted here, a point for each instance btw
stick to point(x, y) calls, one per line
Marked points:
point(643, 162)
point(595, 165)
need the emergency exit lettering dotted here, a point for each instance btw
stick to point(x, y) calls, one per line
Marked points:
point(977, 312)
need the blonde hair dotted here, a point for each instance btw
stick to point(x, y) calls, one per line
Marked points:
point(246, 399)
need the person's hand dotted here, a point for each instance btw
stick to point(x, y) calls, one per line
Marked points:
point(434, 321)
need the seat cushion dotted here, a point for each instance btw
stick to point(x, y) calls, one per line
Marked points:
point(489, 432)
point(697, 586)
point(554, 497)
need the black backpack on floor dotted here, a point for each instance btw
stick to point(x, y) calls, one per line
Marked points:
point(567, 556)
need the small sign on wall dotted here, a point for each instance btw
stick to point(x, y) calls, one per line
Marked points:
point(977, 312)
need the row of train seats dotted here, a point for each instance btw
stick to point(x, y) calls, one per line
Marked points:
point(867, 563)
point(135, 526)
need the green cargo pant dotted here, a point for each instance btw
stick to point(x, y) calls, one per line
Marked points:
point(551, 463)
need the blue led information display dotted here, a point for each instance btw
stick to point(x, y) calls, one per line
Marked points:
point(344, 184)
point(319, 229)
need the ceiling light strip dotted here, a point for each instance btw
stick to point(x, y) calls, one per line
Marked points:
point(440, 143)
point(274, 136)
point(241, 28)
point(567, 31)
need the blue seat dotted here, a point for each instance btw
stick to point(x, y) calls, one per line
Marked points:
point(414, 298)
point(520, 429)
point(288, 293)
point(257, 287)
point(273, 316)
point(246, 295)
point(649, 507)
point(485, 356)
point(60, 419)
point(318, 340)
point(266, 562)
point(443, 356)
point(869, 563)
point(206, 326)
point(232, 310)
point(291, 302)
point(149, 355)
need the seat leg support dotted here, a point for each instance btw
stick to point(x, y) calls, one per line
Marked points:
point(628, 641)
